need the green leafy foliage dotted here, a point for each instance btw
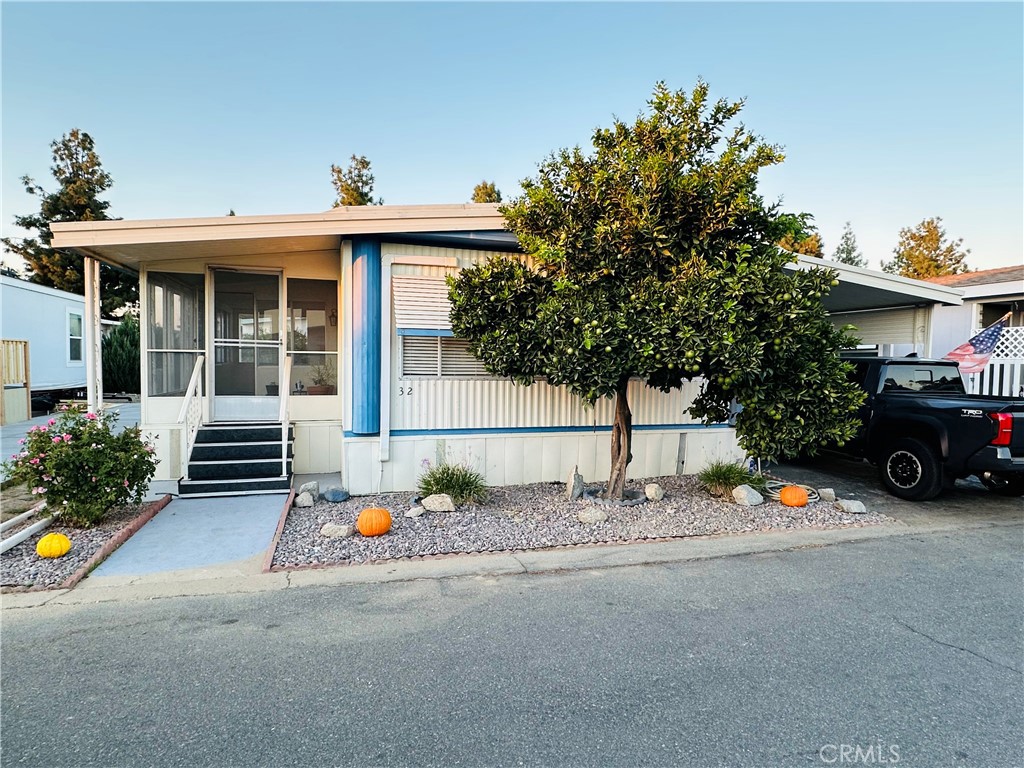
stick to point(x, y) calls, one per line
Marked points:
point(719, 478)
point(653, 257)
point(847, 251)
point(486, 192)
point(799, 234)
point(83, 466)
point(924, 252)
point(81, 180)
point(354, 184)
point(464, 484)
point(121, 366)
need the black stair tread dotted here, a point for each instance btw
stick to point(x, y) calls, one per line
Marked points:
point(228, 487)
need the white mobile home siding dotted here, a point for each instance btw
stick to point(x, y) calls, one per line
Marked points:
point(39, 315)
point(513, 434)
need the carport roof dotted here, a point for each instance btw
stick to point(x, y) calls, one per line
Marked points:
point(130, 244)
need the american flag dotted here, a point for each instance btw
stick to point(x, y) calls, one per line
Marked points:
point(973, 356)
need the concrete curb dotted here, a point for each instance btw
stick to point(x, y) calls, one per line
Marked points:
point(268, 561)
point(118, 539)
point(490, 565)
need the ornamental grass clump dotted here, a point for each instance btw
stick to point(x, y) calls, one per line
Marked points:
point(463, 484)
point(719, 478)
point(82, 467)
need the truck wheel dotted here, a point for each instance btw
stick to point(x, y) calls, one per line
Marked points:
point(910, 470)
point(1004, 484)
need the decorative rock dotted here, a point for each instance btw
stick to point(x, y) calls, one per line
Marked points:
point(304, 499)
point(851, 506)
point(654, 492)
point(414, 501)
point(826, 494)
point(415, 511)
point(746, 496)
point(336, 531)
point(574, 486)
point(438, 502)
point(312, 488)
point(591, 515)
point(335, 494)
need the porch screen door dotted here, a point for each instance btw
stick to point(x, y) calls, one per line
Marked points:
point(246, 346)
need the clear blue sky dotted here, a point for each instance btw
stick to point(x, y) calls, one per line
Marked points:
point(888, 113)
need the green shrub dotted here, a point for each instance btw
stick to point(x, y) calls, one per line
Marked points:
point(720, 477)
point(82, 466)
point(121, 367)
point(463, 484)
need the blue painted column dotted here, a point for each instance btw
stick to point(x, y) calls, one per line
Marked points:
point(366, 311)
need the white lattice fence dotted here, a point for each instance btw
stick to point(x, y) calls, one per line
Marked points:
point(1010, 346)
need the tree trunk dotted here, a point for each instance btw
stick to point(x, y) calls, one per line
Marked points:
point(622, 438)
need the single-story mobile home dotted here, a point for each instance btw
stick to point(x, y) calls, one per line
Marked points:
point(326, 337)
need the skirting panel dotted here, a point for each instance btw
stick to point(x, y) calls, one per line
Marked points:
point(519, 459)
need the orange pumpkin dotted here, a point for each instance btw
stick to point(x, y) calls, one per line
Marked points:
point(793, 496)
point(374, 521)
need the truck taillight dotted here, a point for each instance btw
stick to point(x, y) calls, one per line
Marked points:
point(1004, 428)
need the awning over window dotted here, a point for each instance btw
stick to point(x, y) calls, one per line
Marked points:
point(421, 305)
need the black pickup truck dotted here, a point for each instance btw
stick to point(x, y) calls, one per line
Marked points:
point(923, 431)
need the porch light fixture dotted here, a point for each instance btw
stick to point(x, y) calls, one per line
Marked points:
point(333, 317)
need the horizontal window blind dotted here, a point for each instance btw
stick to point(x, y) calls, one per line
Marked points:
point(439, 356)
point(420, 301)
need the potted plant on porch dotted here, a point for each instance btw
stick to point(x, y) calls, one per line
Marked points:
point(323, 379)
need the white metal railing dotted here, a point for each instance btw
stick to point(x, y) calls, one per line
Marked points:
point(1000, 377)
point(283, 392)
point(190, 417)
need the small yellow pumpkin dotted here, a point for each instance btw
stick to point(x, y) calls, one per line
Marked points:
point(53, 545)
point(374, 521)
point(793, 496)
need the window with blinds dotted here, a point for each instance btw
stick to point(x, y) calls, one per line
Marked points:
point(439, 356)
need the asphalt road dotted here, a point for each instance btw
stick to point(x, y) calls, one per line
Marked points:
point(908, 648)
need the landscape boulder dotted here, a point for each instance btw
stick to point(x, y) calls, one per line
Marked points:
point(304, 499)
point(574, 486)
point(337, 531)
point(826, 494)
point(312, 488)
point(591, 515)
point(746, 496)
point(415, 511)
point(438, 502)
point(654, 492)
point(335, 494)
point(851, 506)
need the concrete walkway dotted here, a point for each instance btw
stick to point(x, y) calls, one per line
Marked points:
point(192, 539)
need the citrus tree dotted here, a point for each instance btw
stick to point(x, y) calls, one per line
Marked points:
point(653, 256)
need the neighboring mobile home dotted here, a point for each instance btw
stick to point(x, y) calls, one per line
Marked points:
point(335, 325)
point(53, 322)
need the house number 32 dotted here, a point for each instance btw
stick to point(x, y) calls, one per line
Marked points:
point(402, 391)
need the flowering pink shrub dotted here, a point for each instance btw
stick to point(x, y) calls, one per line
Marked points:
point(82, 466)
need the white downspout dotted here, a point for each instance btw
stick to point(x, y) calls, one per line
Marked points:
point(385, 360)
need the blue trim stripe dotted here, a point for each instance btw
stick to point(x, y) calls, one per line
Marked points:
point(366, 313)
point(424, 332)
point(539, 430)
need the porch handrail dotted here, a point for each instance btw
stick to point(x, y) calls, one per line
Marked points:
point(286, 380)
point(191, 414)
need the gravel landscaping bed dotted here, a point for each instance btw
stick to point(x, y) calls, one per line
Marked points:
point(535, 517)
point(21, 567)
